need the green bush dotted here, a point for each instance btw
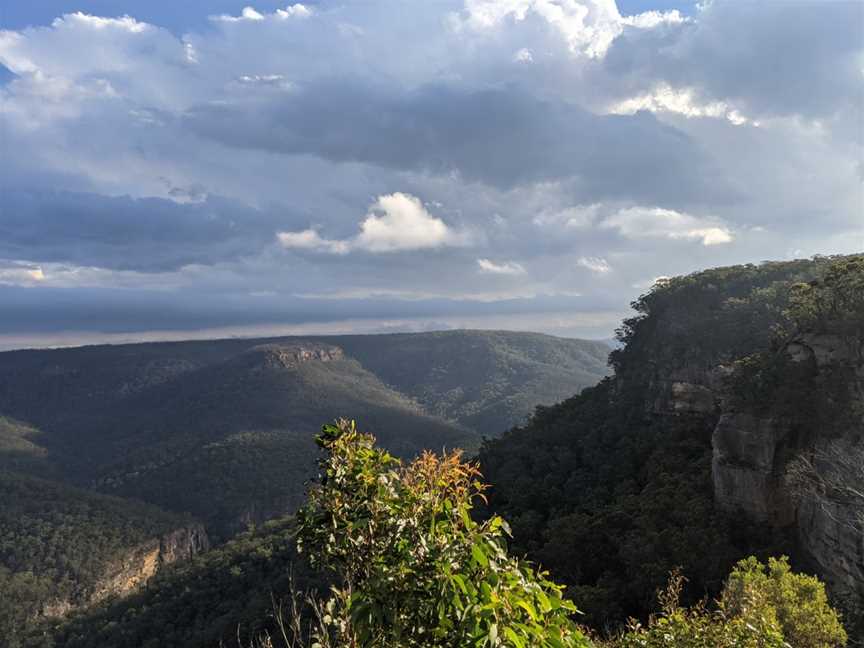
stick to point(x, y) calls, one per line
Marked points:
point(762, 606)
point(414, 569)
point(795, 603)
point(697, 627)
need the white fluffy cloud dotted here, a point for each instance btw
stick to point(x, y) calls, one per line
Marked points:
point(395, 222)
point(503, 268)
point(588, 26)
point(642, 222)
point(251, 14)
point(399, 221)
point(682, 101)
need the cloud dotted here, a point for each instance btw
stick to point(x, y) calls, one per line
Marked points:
point(642, 222)
point(309, 239)
point(588, 26)
point(164, 164)
point(503, 137)
point(763, 58)
point(504, 268)
point(578, 217)
point(653, 18)
point(20, 274)
point(396, 222)
point(125, 23)
point(399, 221)
point(523, 55)
point(597, 265)
point(251, 14)
point(664, 98)
point(150, 235)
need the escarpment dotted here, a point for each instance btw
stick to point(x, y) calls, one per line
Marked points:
point(792, 456)
point(134, 568)
point(709, 443)
point(286, 356)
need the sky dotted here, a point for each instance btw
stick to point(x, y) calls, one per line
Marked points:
point(174, 170)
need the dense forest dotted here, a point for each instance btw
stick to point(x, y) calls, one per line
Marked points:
point(226, 593)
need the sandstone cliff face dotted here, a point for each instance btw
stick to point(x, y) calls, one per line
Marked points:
point(286, 356)
point(136, 568)
point(831, 532)
point(687, 390)
point(754, 454)
point(747, 466)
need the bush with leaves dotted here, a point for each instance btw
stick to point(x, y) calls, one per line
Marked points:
point(762, 606)
point(415, 569)
point(697, 627)
point(795, 603)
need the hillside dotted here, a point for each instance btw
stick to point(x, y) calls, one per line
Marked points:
point(227, 593)
point(62, 548)
point(222, 429)
point(487, 381)
point(221, 432)
point(728, 381)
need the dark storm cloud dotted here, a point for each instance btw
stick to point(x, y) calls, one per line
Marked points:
point(122, 233)
point(502, 137)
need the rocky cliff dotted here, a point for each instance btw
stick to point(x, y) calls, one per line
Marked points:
point(286, 356)
point(135, 568)
point(797, 465)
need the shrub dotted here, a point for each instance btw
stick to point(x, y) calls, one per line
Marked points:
point(697, 627)
point(796, 603)
point(414, 569)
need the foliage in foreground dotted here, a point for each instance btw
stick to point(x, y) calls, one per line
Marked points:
point(414, 569)
point(794, 603)
point(762, 606)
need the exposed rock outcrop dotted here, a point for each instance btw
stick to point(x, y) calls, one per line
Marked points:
point(688, 390)
point(831, 532)
point(136, 568)
point(757, 459)
point(748, 465)
point(286, 356)
point(755, 450)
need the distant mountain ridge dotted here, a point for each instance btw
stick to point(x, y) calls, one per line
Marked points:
point(223, 429)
